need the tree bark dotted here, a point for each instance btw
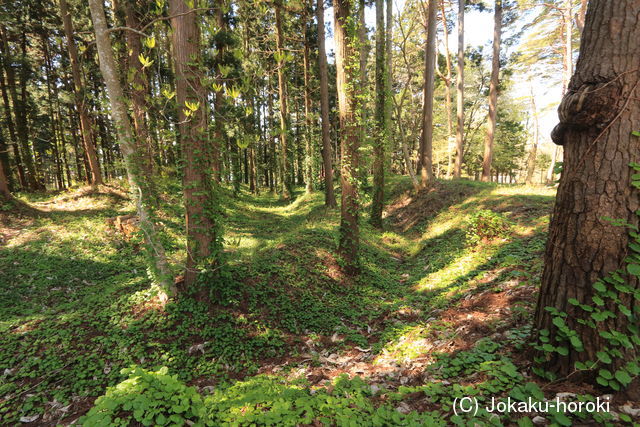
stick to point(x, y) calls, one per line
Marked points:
point(533, 154)
point(327, 155)
point(111, 77)
point(12, 130)
point(493, 94)
point(203, 235)
point(377, 203)
point(139, 89)
point(284, 112)
point(348, 85)
point(78, 88)
point(4, 182)
point(308, 159)
point(426, 140)
point(597, 117)
point(19, 110)
point(457, 168)
point(447, 89)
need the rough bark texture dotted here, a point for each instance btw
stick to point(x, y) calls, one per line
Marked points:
point(22, 178)
point(308, 159)
point(348, 76)
point(285, 164)
point(20, 113)
point(199, 197)
point(447, 88)
point(457, 168)
point(327, 155)
point(4, 183)
point(426, 140)
point(533, 153)
point(493, 94)
point(139, 89)
point(377, 203)
point(78, 87)
point(111, 77)
point(597, 116)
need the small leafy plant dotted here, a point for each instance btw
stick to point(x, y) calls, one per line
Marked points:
point(487, 225)
point(148, 397)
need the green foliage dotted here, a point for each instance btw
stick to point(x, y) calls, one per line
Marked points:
point(487, 225)
point(149, 398)
point(272, 401)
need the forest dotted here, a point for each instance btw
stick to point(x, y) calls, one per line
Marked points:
point(311, 213)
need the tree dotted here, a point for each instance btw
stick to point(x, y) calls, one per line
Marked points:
point(4, 181)
point(377, 204)
point(281, 56)
point(20, 102)
point(201, 209)
point(493, 93)
point(597, 118)
point(129, 147)
point(80, 97)
point(349, 110)
point(308, 159)
point(329, 197)
point(457, 169)
point(426, 141)
point(533, 153)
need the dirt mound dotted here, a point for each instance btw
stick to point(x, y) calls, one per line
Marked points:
point(413, 209)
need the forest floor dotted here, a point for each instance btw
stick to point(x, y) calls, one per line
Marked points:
point(284, 337)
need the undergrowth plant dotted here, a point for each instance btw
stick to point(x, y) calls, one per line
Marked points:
point(487, 225)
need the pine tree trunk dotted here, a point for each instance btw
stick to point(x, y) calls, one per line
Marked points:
point(377, 203)
point(19, 110)
point(327, 155)
point(17, 157)
point(198, 184)
point(531, 161)
point(308, 159)
point(139, 90)
point(457, 168)
point(426, 140)
point(119, 112)
point(447, 90)
point(597, 117)
point(4, 182)
point(78, 88)
point(493, 94)
point(285, 163)
point(349, 110)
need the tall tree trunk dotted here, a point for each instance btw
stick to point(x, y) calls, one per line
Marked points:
point(54, 120)
point(457, 168)
point(22, 178)
point(426, 140)
point(349, 110)
point(447, 90)
point(597, 117)
point(493, 94)
point(119, 112)
point(284, 112)
point(533, 154)
point(139, 90)
point(203, 234)
point(4, 181)
point(19, 109)
point(218, 97)
point(308, 159)
point(327, 155)
point(78, 92)
point(377, 203)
